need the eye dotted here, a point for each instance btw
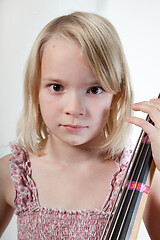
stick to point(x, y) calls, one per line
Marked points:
point(95, 90)
point(56, 87)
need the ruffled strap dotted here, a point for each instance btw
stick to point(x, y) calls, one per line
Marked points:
point(122, 164)
point(25, 191)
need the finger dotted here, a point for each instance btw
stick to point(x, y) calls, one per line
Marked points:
point(151, 102)
point(146, 126)
point(153, 109)
point(156, 102)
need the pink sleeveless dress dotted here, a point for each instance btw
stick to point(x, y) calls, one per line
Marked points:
point(37, 222)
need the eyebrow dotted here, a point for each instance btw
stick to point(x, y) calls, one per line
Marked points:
point(52, 80)
point(61, 81)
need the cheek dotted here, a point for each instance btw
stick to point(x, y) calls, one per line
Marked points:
point(105, 115)
point(48, 109)
point(101, 114)
point(105, 109)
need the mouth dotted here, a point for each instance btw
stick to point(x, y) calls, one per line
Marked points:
point(73, 128)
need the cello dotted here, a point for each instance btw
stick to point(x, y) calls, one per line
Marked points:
point(127, 212)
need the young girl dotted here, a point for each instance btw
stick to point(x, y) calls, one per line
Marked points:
point(70, 157)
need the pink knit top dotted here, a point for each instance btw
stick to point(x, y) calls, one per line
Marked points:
point(37, 222)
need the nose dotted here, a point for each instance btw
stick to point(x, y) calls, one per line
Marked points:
point(74, 105)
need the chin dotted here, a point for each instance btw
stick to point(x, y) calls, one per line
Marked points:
point(76, 143)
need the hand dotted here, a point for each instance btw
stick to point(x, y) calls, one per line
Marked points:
point(152, 108)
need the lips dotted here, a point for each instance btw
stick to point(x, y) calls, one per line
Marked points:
point(73, 128)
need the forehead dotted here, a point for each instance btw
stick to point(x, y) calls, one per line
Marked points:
point(64, 58)
point(60, 45)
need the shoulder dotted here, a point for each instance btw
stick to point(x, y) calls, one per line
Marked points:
point(6, 193)
point(4, 167)
point(4, 160)
point(6, 184)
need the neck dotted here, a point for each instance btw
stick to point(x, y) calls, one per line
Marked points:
point(67, 154)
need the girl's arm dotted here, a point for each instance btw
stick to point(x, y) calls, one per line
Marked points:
point(6, 193)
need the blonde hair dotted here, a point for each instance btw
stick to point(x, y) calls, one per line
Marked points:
point(101, 45)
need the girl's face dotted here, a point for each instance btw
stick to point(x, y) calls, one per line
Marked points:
point(73, 105)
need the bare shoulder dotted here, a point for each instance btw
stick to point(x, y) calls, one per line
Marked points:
point(4, 163)
point(6, 194)
point(5, 160)
point(152, 210)
point(4, 168)
point(6, 184)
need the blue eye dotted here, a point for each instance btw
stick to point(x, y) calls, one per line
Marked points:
point(56, 87)
point(95, 90)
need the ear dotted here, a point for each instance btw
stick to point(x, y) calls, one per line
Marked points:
point(115, 99)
